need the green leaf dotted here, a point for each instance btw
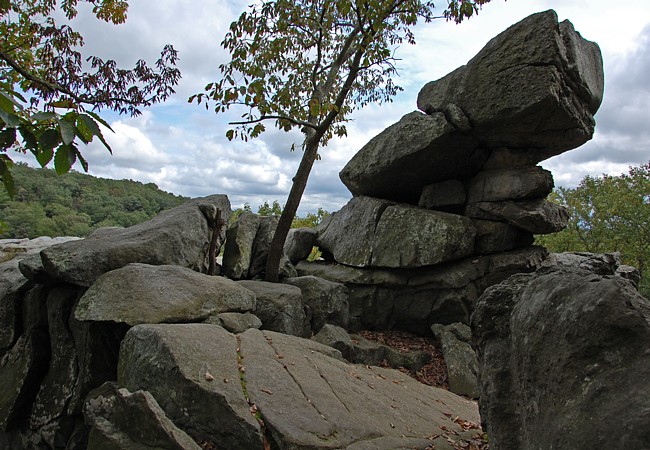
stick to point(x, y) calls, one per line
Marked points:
point(49, 139)
point(7, 179)
point(67, 129)
point(44, 156)
point(63, 104)
point(43, 116)
point(64, 158)
point(7, 103)
point(100, 120)
point(230, 134)
point(11, 120)
point(28, 137)
point(82, 161)
point(94, 129)
point(7, 138)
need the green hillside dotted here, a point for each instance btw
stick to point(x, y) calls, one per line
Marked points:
point(75, 204)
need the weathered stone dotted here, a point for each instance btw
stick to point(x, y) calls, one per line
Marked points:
point(460, 358)
point(238, 323)
point(10, 248)
point(21, 370)
point(50, 411)
point(509, 184)
point(494, 237)
point(341, 273)
point(349, 233)
point(304, 394)
point(261, 246)
point(179, 236)
point(598, 263)
point(12, 286)
point(191, 371)
point(335, 337)
point(279, 307)
point(141, 293)
point(562, 353)
point(319, 402)
point(369, 232)
point(371, 353)
point(238, 249)
point(136, 421)
point(444, 196)
point(535, 216)
point(534, 87)
point(299, 243)
point(328, 301)
point(410, 154)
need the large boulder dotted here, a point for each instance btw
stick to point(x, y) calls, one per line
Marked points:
point(418, 150)
point(535, 216)
point(179, 236)
point(563, 356)
point(369, 232)
point(238, 250)
point(455, 340)
point(141, 293)
point(534, 87)
point(328, 302)
point(280, 307)
point(263, 389)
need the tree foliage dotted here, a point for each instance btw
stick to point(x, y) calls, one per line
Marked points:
point(309, 64)
point(608, 214)
point(46, 85)
point(75, 204)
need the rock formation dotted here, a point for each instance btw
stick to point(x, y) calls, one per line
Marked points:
point(563, 356)
point(127, 324)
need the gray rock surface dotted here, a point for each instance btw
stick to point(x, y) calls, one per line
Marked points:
point(462, 365)
point(305, 396)
point(368, 232)
point(410, 154)
point(135, 421)
point(238, 249)
point(179, 236)
point(142, 293)
point(261, 246)
point(534, 87)
point(562, 355)
point(238, 323)
point(535, 216)
point(443, 196)
point(327, 301)
point(509, 184)
point(299, 243)
point(280, 307)
point(494, 237)
point(12, 285)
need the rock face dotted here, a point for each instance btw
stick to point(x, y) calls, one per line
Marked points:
point(302, 393)
point(562, 353)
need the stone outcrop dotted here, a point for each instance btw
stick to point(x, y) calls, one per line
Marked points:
point(239, 391)
point(562, 355)
point(455, 340)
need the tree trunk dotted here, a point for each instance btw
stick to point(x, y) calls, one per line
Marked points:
point(293, 201)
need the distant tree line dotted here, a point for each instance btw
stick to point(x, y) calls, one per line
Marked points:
point(608, 214)
point(75, 204)
point(311, 220)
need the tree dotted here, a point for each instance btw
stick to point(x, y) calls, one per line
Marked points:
point(309, 64)
point(45, 88)
point(608, 214)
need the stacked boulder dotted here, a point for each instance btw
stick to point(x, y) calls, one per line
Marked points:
point(446, 201)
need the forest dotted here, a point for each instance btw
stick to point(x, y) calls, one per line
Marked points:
point(75, 204)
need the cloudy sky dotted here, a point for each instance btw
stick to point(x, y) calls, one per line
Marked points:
point(182, 147)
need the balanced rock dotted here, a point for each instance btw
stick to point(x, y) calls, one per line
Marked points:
point(238, 249)
point(534, 87)
point(563, 353)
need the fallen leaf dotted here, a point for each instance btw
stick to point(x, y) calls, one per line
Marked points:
point(208, 376)
point(267, 391)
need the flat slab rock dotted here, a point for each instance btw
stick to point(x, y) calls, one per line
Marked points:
point(208, 381)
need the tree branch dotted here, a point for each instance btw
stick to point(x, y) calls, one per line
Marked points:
point(277, 117)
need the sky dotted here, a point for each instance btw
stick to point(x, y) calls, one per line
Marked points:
point(183, 149)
